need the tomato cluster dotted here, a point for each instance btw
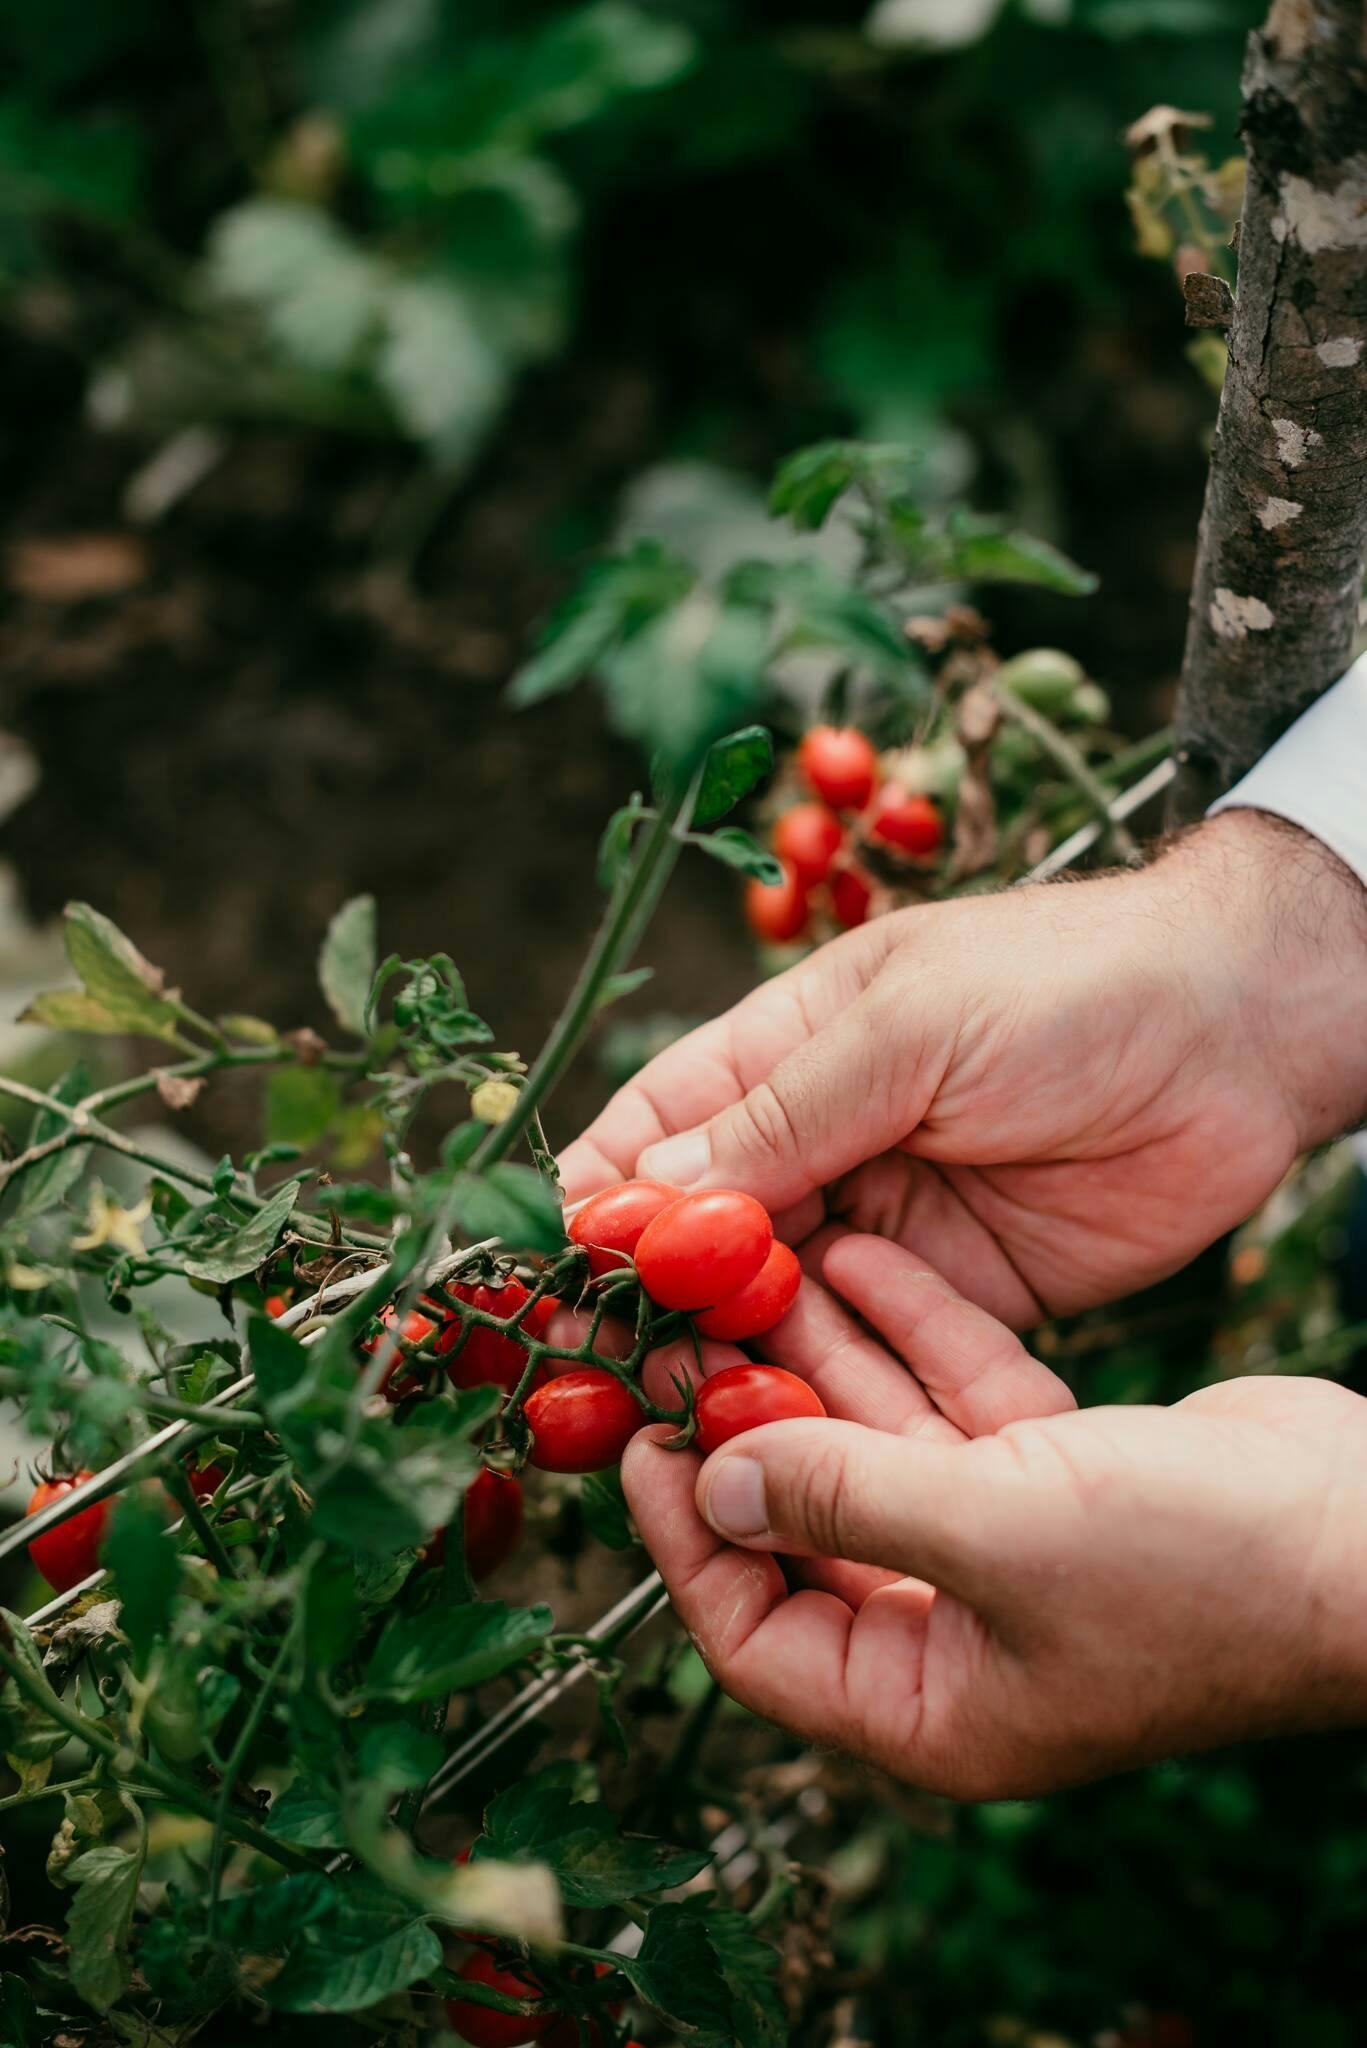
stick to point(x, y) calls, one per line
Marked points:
point(712, 1253)
point(817, 849)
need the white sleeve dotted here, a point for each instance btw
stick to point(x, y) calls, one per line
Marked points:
point(1316, 773)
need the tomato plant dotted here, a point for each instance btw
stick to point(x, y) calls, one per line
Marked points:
point(742, 1397)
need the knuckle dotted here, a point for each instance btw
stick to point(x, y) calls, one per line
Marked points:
point(768, 1126)
point(822, 1502)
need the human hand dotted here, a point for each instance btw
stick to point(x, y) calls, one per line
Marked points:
point(1056, 1095)
point(1017, 1605)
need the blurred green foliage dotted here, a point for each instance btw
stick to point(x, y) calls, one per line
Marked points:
point(378, 214)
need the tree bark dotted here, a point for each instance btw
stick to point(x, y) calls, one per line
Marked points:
point(1283, 534)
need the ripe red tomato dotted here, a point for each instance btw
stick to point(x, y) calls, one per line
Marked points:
point(582, 1421)
point(912, 824)
point(493, 1523)
point(744, 1396)
point(480, 2024)
point(204, 1480)
point(777, 911)
point(487, 1357)
point(398, 1383)
point(70, 1552)
point(611, 1222)
point(703, 1248)
point(851, 896)
point(807, 839)
point(758, 1305)
point(840, 765)
point(276, 1304)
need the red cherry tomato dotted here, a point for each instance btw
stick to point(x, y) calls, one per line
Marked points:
point(398, 1383)
point(777, 911)
point(911, 824)
point(493, 1523)
point(758, 1305)
point(70, 1552)
point(480, 2024)
point(611, 1222)
point(703, 1248)
point(851, 895)
point(487, 1357)
point(582, 1421)
point(204, 1480)
point(840, 765)
point(276, 1304)
point(807, 839)
point(744, 1396)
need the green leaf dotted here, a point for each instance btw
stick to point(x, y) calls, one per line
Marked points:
point(318, 296)
point(346, 963)
point(100, 1921)
point(120, 991)
point(308, 1813)
point(981, 551)
point(681, 682)
point(614, 848)
point(451, 1649)
point(301, 1103)
point(43, 1186)
point(617, 986)
point(511, 1202)
point(702, 1966)
point(141, 1555)
point(244, 1247)
point(613, 601)
point(738, 849)
point(809, 483)
point(26, 1730)
point(20, 2025)
point(733, 768)
point(605, 1509)
point(369, 1947)
point(540, 1821)
point(445, 374)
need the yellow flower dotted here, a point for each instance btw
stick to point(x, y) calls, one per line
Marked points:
point(108, 1223)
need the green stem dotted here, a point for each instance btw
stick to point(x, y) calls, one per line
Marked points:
point(240, 1751)
point(15, 1383)
point(211, 1542)
point(1069, 760)
point(627, 914)
point(128, 1766)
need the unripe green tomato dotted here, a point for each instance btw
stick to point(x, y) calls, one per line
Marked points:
point(931, 770)
point(1090, 704)
point(1044, 677)
point(1014, 755)
point(172, 1721)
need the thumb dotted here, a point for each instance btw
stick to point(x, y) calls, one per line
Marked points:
point(824, 1109)
point(930, 1510)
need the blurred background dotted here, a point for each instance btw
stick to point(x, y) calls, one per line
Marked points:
point(335, 336)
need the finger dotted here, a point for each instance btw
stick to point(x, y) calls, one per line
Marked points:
point(854, 1375)
point(701, 1074)
point(977, 1372)
point(835, 1489)
point(841, 1095)
point(930, 1209)
point(782, 1654)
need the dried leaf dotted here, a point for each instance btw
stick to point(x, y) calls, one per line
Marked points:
point(178, 1091)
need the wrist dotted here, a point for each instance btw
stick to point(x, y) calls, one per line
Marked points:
point(1276, 938)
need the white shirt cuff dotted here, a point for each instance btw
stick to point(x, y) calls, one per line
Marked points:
point(1316, 773)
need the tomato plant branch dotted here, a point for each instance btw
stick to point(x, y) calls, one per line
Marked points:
point(1069, 760)
point(237, 1757)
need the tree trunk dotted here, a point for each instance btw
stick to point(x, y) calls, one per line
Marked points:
point(1284, 530)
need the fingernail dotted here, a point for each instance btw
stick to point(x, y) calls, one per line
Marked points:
point(734, 1503)
point(681, 1160)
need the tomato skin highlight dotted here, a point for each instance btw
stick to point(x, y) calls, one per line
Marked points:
point(910, 824)
point(582, 1421)
point(610, 1223)
point(851, 896)
point(487, 1357)
point(704, 1247)
point(745, 1396)
point(70, 1552)
point(758, 1305)
point(777, 911)
point(493, 1524)
point(480, 2024)
point(807, 839)
point(840, 765)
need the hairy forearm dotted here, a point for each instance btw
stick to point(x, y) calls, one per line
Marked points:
point(1276, 929)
